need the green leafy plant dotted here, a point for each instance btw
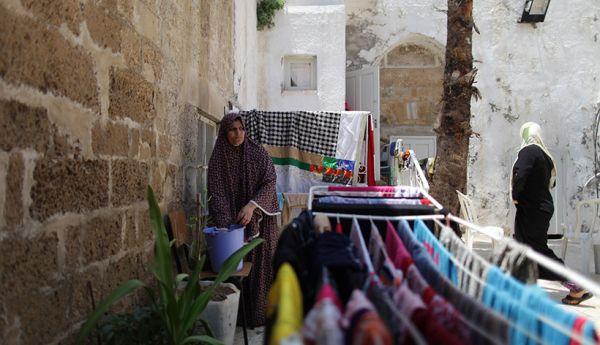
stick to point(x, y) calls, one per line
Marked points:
point(178, 308)
point(142, 326)
point(197, 224)
point(265, 11)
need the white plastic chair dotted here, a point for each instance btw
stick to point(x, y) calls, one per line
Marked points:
point(467, 212)
point(585, 240)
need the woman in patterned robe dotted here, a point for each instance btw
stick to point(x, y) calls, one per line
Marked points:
point(241, 187)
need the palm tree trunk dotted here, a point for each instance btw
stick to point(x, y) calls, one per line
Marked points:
point(454, 126)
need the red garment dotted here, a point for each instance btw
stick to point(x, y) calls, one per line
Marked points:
point(370, 154)
point(396, 250)
point(433, 332)
point(577, 329)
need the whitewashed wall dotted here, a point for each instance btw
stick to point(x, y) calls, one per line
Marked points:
point(245, 45)
point(549, 73)
point(376, 26)
point(308, 27)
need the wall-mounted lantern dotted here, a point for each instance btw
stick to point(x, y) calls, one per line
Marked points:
point(535, 11)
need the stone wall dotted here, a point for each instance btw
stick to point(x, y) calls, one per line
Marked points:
point(410, 79)
point(98, 99)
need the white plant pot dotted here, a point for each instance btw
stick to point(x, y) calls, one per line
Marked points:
point(222, 315)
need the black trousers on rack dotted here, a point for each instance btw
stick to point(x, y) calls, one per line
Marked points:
point(531, 228)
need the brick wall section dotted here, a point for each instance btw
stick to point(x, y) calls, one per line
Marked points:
point(93, 108)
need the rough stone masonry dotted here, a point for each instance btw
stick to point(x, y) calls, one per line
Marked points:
point(95, 96)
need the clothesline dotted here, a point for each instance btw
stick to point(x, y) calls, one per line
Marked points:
point(568, 273)
point(542, 318)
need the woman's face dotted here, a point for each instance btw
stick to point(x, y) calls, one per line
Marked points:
point(236, 133)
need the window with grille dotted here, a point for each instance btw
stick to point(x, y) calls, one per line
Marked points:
point(196, 167)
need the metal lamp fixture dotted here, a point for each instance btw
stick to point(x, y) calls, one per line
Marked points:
point(535, 11)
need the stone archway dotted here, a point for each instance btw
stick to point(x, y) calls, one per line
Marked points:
point(411, 78)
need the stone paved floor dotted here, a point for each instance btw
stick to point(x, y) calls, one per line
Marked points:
point(255, 336)
point(589, 308)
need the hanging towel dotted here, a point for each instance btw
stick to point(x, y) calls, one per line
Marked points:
point(440, 255)
point(512, 258)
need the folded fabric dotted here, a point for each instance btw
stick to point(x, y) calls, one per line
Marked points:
point(381, 191)
point(368, 201)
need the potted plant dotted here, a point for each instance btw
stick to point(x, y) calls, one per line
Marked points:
point(178, 309)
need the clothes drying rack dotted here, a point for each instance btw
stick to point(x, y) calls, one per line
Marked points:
point(388, 191)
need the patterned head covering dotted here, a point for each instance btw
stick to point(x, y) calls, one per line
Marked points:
point(238, 175)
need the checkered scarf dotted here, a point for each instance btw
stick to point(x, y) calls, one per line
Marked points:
point(315, 132)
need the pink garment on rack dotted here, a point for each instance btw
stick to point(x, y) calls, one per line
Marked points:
point(323, 323)
point(448, 317)
point(382, 191)
point(396, 250)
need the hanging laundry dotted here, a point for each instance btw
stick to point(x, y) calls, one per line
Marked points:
point(438, 252)
point(440, 310)
point(284, 308)
point(512, 258)
point(362, 323)
point(309, 148)
point(468, 260)
point(322, 325)
point(488, 327)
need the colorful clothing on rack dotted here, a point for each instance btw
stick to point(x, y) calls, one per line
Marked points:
point(441, 256)
point(284, 308)
point(512, 258)
point(535, 314)
point(363, 324)
point(439, 309)
point(322, 324)
point(370, 201)
point(487, 327)
point(471, 276)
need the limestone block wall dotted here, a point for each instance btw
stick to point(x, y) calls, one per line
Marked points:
point(410, 87)
point(98, 99)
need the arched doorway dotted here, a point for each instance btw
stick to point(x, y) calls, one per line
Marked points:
point(402, 89)
point(410, 87)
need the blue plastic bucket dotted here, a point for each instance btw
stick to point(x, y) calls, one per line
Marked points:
point(222, 243)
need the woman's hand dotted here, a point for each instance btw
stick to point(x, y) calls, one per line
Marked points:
point(245, 214)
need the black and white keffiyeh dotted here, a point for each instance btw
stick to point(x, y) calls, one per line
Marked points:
point(315, 132)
